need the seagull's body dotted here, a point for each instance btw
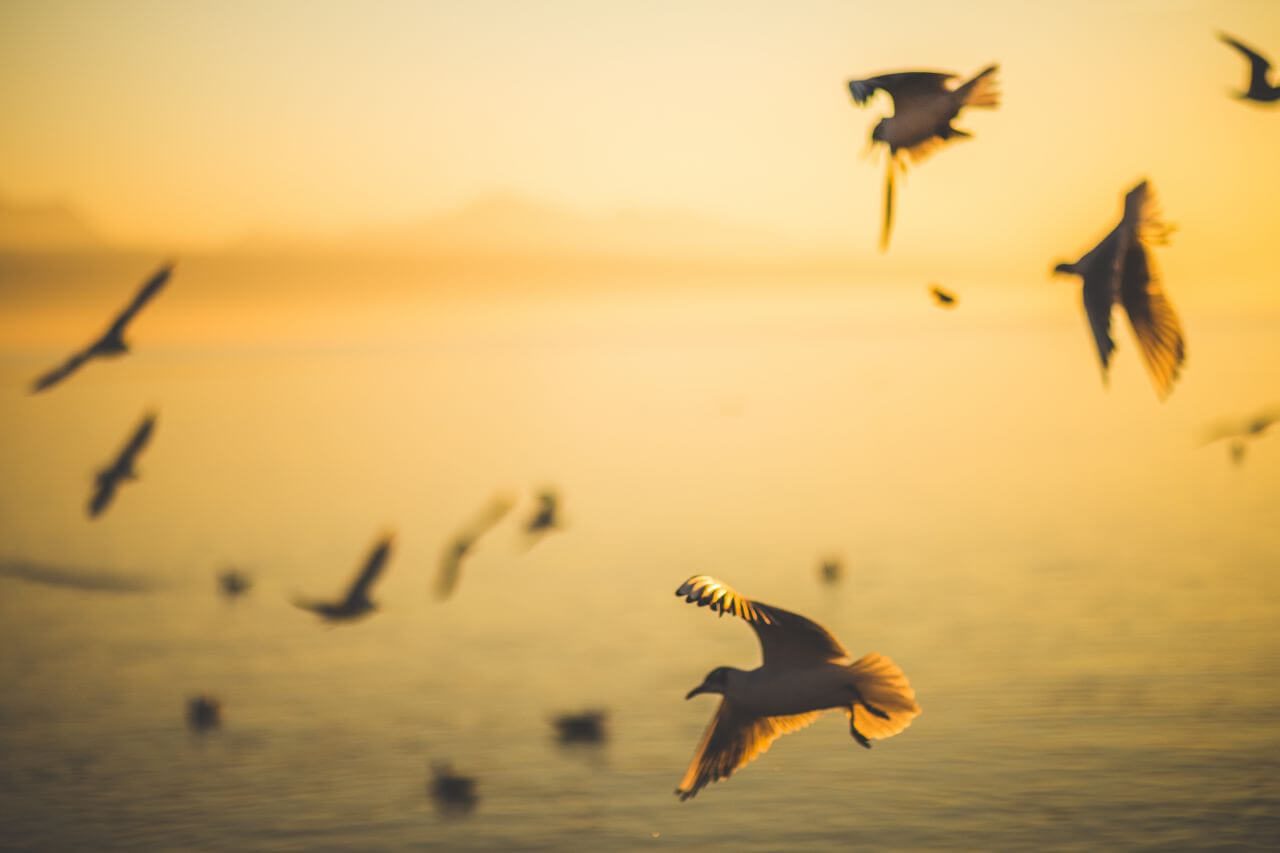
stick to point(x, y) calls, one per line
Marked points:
point(944, 298)
point(582, 727)
point(451, 561)
point(204, 712)
point(357, 602)
point(1260, 89)
point(234, 583)
point(1120, 270)
point(1240, 432)
point(805, 672)
point(453, 793)
point(831, 571)
point(122, 468)
point(110, 343)
point(924, 108)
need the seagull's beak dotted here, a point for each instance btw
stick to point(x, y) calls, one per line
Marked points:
point(701, 688)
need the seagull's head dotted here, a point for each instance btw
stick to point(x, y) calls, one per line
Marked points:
point(715, 682)
point(1065, 268)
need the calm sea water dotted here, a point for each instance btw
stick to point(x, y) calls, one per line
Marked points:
point(1087, 603)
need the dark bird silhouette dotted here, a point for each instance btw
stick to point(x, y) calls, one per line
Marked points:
point(234, 583)
point(805, 673)
point(582, 727)
point(457, 550)
point(453, 794)
point(107, 480)
point(1241, 432)
point(1260, 89)
point(944, 298)
point(357, 602)
point(923, 108)
point(546, 518)
point(831, 571)
point(204, 712)
point(110, 343)
point(1120, 270)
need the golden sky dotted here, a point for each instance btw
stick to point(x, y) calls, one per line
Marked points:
point(192, 124)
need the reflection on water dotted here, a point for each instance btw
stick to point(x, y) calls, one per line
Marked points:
point(1086, 603)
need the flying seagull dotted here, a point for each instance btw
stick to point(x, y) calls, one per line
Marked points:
point(806, 672)
point(107, 480)
point(923, 108)
point(451, 561)
point(1259, 68)
point(1241, 432)
point(356, 603)
point(545, 518)
point(110, 343)
point(944, 298)
point(1120, 269)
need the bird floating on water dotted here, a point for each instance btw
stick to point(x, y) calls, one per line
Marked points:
point(204, 712)
point(110, 343)
point(805, 672)
point(923, 108)
point(582, 727)
point(451, 561)
point(1240, 432)
point(1260, 89)
point(1120, 270)
point(453, 793)
point(357, 602)
point(944, 298)
point(107, 480)
point(234, 583)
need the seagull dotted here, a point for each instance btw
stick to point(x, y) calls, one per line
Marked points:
point(583, 727)
point(1241, 432)
point(923, 108)
point(204, 712)
point(806, 672)
point(451, 561)
point(357, 602)
point(944, 298)
point(1119, 269)
point(831, 571)
point(111, 342)
point(547, 516)
point(234, 583)
point(453, 793)
point(1259, 89)
point(107, 480)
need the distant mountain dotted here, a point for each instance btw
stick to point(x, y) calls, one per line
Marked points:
point(43, 226)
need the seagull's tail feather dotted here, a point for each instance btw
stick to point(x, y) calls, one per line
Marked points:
point(883, 686)
point(982, 90)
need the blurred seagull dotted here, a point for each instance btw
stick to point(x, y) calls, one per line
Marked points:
point(1119, 269)
point(356, 603)
point(111, 343)
point(1259, 89)
point(831, 571)
point(546, 518)
point(453, 793)
point(234, 583)
point(923, 108)
point(806, 672)
point(583, 727)
point(107, 480)
point(944, 298)
point(204, 712)
point(451, 562)
point(1241, 432)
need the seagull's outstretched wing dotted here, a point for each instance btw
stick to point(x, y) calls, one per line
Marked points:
point(62, 371)
point(1259, 67)
point(786, 638)
point(451, 560)
point(907, 88)
point(144, 295)
point(372, 568)
point(732, 740)
point(1154, 322)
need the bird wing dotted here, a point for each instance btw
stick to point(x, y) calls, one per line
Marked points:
point(733, 739)
point(103, 494)
point(62, 371)
point(786, 638)
point(1259, 67)
point(451, 567)
point(907, 88)
point(1152, 317)
point(144, 295)
point(372, 568)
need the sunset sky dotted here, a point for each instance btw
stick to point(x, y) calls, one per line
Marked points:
point(191, 125)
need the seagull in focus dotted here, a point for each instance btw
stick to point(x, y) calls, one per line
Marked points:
point(357, 602)
point(451, 562)
point(923, 109)
point(583, 727)
point(1241, 432)
point(1120, 269)
point(453, 793)
point(107, 480)
point(944, 298)
point(546, 518)
point(805, 672)
point(110, 343)
point(1260, 90)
